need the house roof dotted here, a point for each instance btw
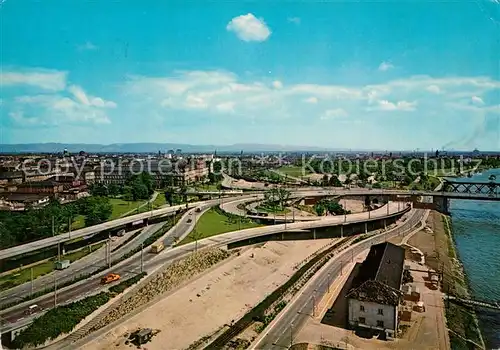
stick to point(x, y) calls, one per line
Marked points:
point(380, 275)
point(376, 292)
point(20, 197)
point(384, 264)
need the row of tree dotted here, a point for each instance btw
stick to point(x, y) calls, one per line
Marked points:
point(136, 187)
point(331, 207)
point(393, 167)
point(54, 218)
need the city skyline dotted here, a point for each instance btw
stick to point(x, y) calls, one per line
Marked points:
point(332, 75)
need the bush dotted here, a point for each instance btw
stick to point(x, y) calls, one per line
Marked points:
point(59, 320)
point(120, 287)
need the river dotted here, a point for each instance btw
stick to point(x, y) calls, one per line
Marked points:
point(476, 226)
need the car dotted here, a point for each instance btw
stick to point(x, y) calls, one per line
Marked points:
point(189, 220)
point(33, 309)
point(111, 277)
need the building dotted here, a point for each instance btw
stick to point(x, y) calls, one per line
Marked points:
point(375, 296)
point(19, 201)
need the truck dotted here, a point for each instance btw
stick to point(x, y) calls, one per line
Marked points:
point(110, 277)
point(157, 247)
point(63, 264)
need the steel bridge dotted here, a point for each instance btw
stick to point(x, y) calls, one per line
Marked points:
point(491, 189)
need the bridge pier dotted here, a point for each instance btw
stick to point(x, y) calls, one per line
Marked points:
point(342, 231)
point(441, 204)
point(314, 233)
point(366, 227)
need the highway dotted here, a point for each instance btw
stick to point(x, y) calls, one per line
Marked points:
point(85, 265)
point(281, 333)
point(52, 241)
point(131, 266)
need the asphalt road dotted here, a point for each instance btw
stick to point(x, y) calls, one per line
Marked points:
point(125, 269)
point(52, 241)
point(293, 319)
point(131, 267)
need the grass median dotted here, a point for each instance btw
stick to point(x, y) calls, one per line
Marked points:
point(214, 222)
point(21, 276)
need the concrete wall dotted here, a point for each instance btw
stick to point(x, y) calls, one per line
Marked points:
point(371, 314)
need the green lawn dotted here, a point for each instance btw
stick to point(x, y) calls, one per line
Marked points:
point(160, 200)
point(78, 223)
point(21, 276)
point(207, 187)
point(120, 207)
point(295, 171)
point(270, 209)
point(213, 223)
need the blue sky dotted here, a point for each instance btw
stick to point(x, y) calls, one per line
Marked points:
point(383, 75)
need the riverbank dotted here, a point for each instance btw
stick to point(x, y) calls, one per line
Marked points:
point(441, 255)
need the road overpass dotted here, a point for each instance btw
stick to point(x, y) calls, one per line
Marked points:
point(282, 331)
point(15, 317)
point(91, 230)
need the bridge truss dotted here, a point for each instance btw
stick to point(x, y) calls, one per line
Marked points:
point(487, 188)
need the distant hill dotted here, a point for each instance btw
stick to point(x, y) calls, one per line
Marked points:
point(152, 148)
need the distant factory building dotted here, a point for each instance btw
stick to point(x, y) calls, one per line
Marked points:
point(373, 301)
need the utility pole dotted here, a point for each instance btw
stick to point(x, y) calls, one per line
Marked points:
point(314, 303)
point(31, 278)
point(291, 334)
point(109, 253)
point(59, 250)
point(345, 211)
point(69, 227)
point(53, 231)
point(55, 291)
point(285, 220)
point(142, 257)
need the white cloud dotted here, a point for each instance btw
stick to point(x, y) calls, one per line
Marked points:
point(333, 113)
point(81, 97)
point(42, 78)
point(195, 102)
point(221, 93)
point(433, 88)
point(277, 84)
point(88, 46)
point(477, 100)
point(311, 100)
point(385, 66)
point(249, 28)
point(384, 105)
point(295, 20)
point(226, 107)
point(71, 106)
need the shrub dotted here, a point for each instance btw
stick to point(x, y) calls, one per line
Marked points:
point(120, 287)
point(59, 320)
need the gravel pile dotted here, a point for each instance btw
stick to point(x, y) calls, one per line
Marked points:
point(173, 276)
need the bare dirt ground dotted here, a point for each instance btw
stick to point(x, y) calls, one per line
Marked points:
point(428, 329)
point(355, 206)
point(217, 298)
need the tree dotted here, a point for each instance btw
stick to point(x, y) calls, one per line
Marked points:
point(319, 209)
point(169, 193)
point(324, 180)
point(334, 181)
point(114, 189)
point(96, 210)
